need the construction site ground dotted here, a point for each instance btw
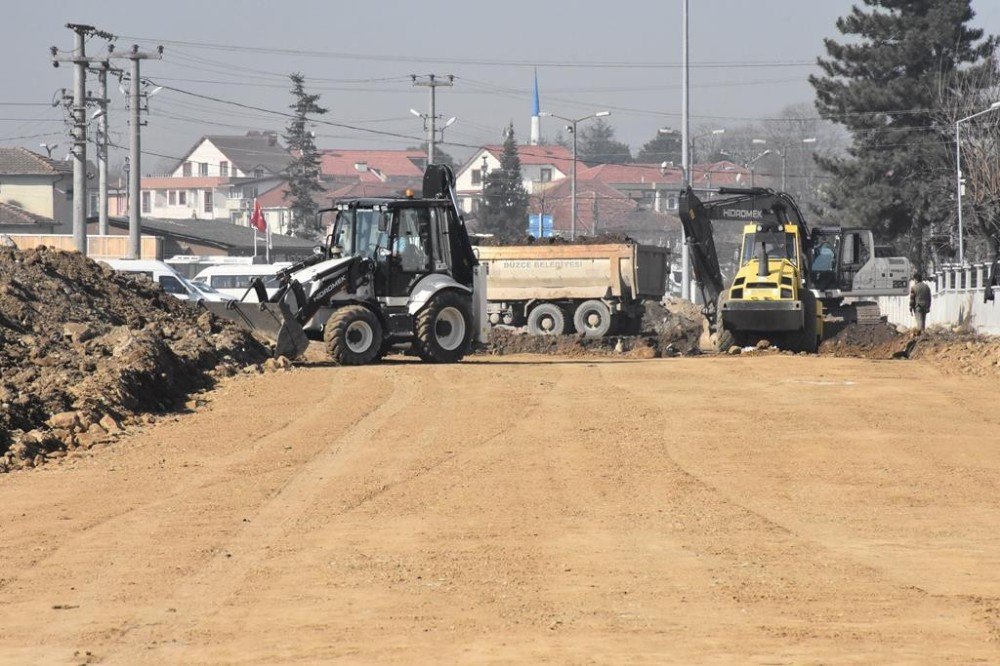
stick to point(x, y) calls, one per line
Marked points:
point(749, 509)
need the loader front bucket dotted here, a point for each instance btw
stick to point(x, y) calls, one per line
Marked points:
point(273, 321)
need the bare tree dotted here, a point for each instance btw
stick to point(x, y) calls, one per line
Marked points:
point(963, 95)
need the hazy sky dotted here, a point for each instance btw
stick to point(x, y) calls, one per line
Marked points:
point(749, 59)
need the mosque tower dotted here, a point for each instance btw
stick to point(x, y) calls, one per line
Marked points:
point(536, 121)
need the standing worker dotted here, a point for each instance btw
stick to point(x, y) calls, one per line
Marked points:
point(920, 301)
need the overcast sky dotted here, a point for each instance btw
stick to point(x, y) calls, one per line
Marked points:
point(749, 59)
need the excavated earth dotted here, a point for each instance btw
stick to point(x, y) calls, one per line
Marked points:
point(86, 352)
point(667, 329)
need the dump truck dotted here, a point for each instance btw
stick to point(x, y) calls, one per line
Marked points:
point(595, 289)
point(788, 276)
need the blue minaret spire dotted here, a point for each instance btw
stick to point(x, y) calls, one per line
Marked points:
point(536, 130)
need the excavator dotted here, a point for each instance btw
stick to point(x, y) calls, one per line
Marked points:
point(392, 272)
point(789, 278)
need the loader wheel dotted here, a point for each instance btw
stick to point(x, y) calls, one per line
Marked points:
point(546, 319)
point(592, 318)
point(353, 336)
point(444, 329)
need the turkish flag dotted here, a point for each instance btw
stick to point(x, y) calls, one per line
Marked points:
point(257, 220)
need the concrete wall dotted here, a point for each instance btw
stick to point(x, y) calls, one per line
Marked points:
point(958, 299)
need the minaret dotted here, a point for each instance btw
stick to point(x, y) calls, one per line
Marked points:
point(536, 121)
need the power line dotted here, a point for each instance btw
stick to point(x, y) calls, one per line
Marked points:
point(578, 64)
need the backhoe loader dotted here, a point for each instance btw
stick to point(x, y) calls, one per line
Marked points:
point(393, 271)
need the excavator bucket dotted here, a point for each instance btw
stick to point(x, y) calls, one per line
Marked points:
point(273, 321)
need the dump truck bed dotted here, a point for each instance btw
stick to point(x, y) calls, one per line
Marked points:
point(553, 272)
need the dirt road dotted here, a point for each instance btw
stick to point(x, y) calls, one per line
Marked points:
point(529, 509)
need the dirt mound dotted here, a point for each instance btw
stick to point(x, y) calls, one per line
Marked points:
point(600, 239)
point(666, 330)
point(878, 341)
point(958, 352)
point(84, 349)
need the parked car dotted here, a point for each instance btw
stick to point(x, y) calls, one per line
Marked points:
point(234, 280)
point(165, 276)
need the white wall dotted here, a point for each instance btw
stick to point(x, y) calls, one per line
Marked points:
point(531, 174)
point(954, 301)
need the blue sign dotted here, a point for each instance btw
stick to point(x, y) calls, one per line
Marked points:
point(540, 228)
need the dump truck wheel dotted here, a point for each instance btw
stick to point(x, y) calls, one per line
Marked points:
point(592, 318)
point(546, 319)
point(353, 336)
point(444, 329)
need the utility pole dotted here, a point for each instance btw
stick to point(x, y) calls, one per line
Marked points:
point(135, 56)
point(102, 150)
point(433, 82)
point(685, 153)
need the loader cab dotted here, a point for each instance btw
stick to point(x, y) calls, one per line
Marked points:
point(407, 239)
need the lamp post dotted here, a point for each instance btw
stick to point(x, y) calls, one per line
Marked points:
point(433, 129)
point(572, 130)
point(749, 163)
point(669, 131)
point(958, 175)
point(783, 154)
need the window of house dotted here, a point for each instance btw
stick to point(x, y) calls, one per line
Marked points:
point(203, 169)
point(93, 204)
point(182, 198)
point(186, 170)
point(477, 176)
point(235, 193)
point(546, 175)
point(147, 202)
point(172, 198)
point(224, 168)
point(208, 201)
point(258, 173)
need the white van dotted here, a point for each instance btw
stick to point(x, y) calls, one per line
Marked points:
point(165, 276)
point(235, 280)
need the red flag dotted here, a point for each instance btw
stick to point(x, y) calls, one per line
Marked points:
point(257, 220)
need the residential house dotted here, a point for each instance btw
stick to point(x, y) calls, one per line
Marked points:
point(540, 166)
point(648, 185)
point(599, 207)
point(344, 167)
point(41, 185)
point(217, 179)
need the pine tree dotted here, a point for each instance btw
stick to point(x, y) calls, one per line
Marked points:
point(597, 145)
point(881, 85)
point(505, 207)
point(664, 147)
point(303, 172)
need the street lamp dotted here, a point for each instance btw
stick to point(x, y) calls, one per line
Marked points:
point(958, 176)
point(783, 154)
point(670, 131)
point(749, 163)
point(572, 130)
point(425, 117)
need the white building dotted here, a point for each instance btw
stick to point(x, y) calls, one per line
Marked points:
point(217, 179)
point(540, 165)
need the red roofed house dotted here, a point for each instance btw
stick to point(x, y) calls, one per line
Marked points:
point(217, 178)
point(41, 186)
point(344, 167)
point(540, 165)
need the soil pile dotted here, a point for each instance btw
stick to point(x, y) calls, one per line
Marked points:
point(955, 352)
point(666, 330)
point(600, 239)
point(84, 349)
point(677, 323)
point(878, 341)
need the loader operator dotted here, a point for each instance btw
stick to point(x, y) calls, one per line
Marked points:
point(920, 301)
